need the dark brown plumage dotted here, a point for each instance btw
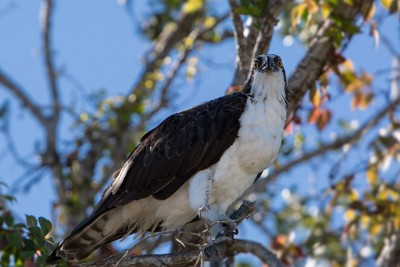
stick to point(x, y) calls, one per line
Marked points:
point(167, 157)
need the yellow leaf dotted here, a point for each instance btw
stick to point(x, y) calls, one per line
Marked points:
point(350, 215)
point(209, 22)
point(311, 6)
point(365, 220)
point(326, 10)
point(348, 65)
point(191, 71)
point(192, 6)
point(375, 229)
point(84, 117)
point(315, 97)
point(386, 3)
point(354, 195)
point(396, 223)
point(354, 86)
point(371, 13)
point(372, 175)
point(276, 164)
point(188, 42)
point(366, 78)
point(148, 84)
point(296, 13)
point(387, 194)
point(366, 100)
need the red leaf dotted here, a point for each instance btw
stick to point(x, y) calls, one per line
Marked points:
point(314, 115)
point(323, 119)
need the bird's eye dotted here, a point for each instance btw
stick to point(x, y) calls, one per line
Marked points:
point(279, 63)
point(256, 65)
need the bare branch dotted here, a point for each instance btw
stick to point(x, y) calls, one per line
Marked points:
point(255, 41)
point(195, 35)
point(166, 41)
point(17, 90)
point(241, 44)
point(390, 254)
point(268, 22)
point(47, 15)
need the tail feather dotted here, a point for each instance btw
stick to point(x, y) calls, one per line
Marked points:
point(87, 237)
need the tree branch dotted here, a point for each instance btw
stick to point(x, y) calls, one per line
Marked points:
point(168, 38)
point(219, 249)
point(47, 16)
point(241, 44)
point(268, 22)
point(190, 258)
point(390, 254)
point(195, 35)
point(321, 52)
point(258, 38)
point(15, 89)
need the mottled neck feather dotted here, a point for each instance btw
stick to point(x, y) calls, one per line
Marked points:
point(247, 85)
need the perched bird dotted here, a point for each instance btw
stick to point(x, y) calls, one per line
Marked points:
point(196, 163)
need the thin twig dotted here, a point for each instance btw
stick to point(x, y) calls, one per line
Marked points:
point(19, 92)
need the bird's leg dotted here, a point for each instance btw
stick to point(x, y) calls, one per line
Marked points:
point(200, 188)
point(219, 224)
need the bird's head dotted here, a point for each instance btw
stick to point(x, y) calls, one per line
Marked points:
point(267, 69)
point(268, 64)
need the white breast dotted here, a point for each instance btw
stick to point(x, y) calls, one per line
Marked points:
point(258, 143)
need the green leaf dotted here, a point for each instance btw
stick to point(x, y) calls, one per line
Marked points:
point(36, 233)
point(15, 240)
point(29, 244)
point(5, 259)
point(352, 29)
point(31, 220)
point(249, 10)
point(394, 7)
point(8, 219)
point(26, 254)
point(8, 197)
point(45, 225)
point(243, 264)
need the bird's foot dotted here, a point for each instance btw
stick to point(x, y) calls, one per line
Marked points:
point(219, 225)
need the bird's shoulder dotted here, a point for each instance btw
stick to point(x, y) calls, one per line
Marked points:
point(202, 115)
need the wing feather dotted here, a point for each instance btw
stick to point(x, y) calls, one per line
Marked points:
point(175, 150)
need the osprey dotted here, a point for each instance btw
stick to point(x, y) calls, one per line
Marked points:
point(196, 163)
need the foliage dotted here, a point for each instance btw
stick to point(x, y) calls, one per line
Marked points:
point(343, 132)
point(22, 244)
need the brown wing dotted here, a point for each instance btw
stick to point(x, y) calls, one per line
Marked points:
point(175, 150)
point(165, 159)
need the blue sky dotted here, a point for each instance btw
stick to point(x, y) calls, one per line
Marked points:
point(97, 44)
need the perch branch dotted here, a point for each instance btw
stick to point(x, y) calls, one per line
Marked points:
point(217, 249)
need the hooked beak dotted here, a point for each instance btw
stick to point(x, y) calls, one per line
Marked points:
point(269, 66)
